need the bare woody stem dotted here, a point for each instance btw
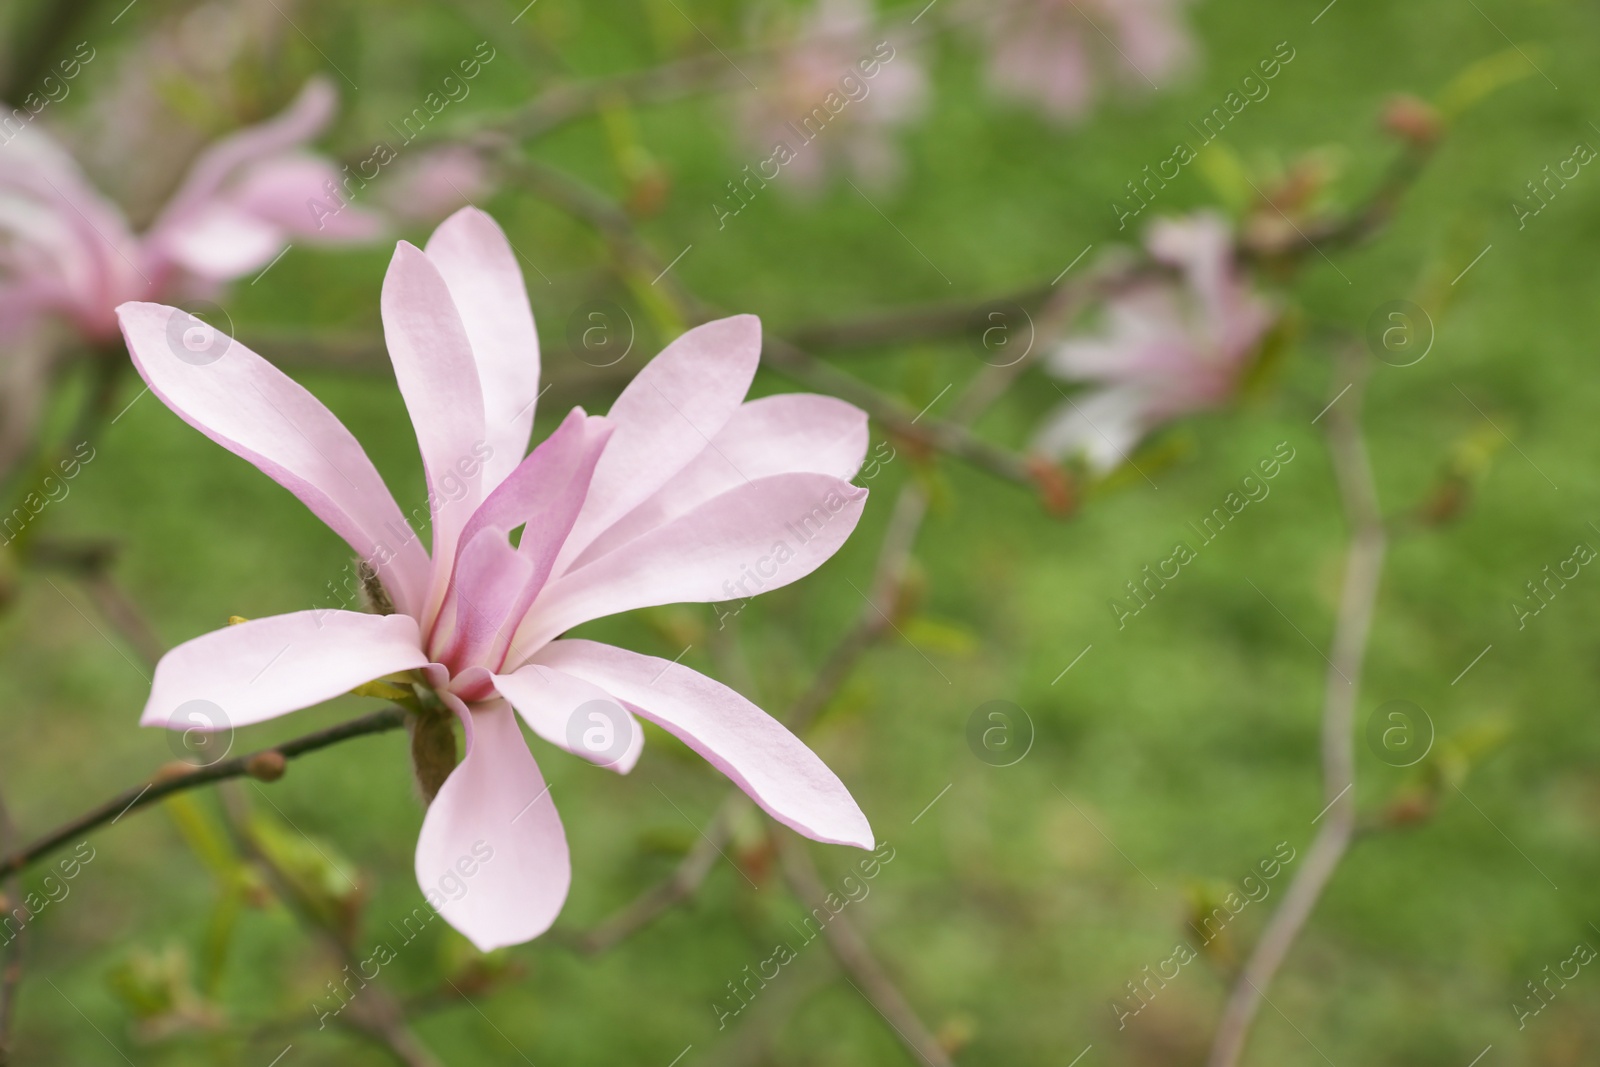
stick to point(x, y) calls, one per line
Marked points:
point(163, 785)
point(1363, 571)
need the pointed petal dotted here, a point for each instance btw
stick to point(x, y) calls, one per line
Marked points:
point(743, 742)
point(280, 190)
point(255, 411)
point(751, 539)
point(489, 591)
point(480, 267)
point(666, 417)
point(786, 434)
point(492, 856)
point(298, 123)
point(433, 364)
point(221, 242)
point(268, 667)
point(546, 491)
point(574, 715)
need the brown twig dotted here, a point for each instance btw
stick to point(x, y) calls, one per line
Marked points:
point(1363, 571)
point(11, 972)
point(379, 1016)
point(861, 967)
point(163, 784)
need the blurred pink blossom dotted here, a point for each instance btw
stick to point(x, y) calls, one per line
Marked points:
point(1050, 52)
point(684, 492)
point(67, 251)
point(832, 99)
point(1170, 346)
point(432, 183)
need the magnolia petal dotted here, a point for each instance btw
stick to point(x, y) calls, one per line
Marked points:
point(480, 268)
point(302, 120)
point(268, 667)
point(255, 411)
point(492, 856)
point(291, 192)
point(1103, 427)
point(786, 434)
point(220, 242)
point(748, 540)
point(488, 593)
point(433, 364)
point(752, 748)
point(666, 417)
point(546, 491)
point(574, 715)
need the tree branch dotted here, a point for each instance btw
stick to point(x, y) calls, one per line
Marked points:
point(380, 1017)
point(1363, 571)
point(860, 966)
point(11, 974)
point(167, 782)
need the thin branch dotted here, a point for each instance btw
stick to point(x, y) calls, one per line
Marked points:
point(561, 104)
point(11, 974)
point(167, 782)
point(680, 885)
point(860, 966)
point(1363, 571)
point(380, 1015)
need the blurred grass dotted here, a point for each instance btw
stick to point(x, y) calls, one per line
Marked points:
point(1189, 737)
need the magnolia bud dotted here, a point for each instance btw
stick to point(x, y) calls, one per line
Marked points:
point(266, 766)
point(1412, 120)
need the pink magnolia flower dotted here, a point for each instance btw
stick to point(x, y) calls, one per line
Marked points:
point(433, 183)
point(682, 493)
point(1170, 346)
point(831, 99)
point(68, 251)
point(1046, 51)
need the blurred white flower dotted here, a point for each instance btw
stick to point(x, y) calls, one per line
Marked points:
point(1170, 346)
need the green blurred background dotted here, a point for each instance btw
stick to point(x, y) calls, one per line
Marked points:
point(1167, 763)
